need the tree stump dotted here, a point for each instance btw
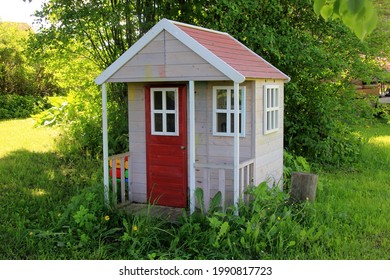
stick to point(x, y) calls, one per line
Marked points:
point(303, 186)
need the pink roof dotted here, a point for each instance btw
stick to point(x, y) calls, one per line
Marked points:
point(232, 52)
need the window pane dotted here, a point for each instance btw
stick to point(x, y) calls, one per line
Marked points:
point(232, 122)
point(276, 98)
point(170, 100)
point(272, 126)
point(171, 124)
point(221, 122)
point(232, 99)
point(276, 119)
point(158, 127)
point(221, 98)
point(268, 120)
point(268, 98)
point(157, 100)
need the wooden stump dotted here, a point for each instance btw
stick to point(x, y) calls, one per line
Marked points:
point(303, 186)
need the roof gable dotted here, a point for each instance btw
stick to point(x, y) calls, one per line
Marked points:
point(166, 58)
point(220, 50)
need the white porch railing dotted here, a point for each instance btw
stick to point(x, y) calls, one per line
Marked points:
point(120, 164)
point(246, 171)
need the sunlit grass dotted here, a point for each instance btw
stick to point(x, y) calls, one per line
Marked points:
point(22, 135)
point(36, 183)
point(356, 203)
point(381, 140)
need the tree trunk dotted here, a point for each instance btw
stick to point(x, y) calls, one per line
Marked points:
point(303, 186)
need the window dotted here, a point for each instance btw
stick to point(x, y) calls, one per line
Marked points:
point(223, 111)
point(164, 111)
point(271, 108)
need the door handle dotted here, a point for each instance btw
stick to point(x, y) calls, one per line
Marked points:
point(182, 147)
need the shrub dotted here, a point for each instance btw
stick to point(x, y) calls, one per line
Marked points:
point(81, 121)
point(382, 111)
point(55, 115)
point(16, 106)
point(292, 163)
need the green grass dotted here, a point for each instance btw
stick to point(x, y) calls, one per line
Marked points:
point(51, 208)
point(36, 183)
point(355, 204)
point(18, 135)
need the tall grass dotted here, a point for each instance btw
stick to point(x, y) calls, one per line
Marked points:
point(36, 183)
point(355, 204)
point(51, 207)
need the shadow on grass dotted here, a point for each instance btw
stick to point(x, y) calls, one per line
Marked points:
point(34, 189)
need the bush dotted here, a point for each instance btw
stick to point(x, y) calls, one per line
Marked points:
point(292, 163)
point(55, 115)
point(382, 111)
point(321, 131)
point(15, 106)
point(81, 121)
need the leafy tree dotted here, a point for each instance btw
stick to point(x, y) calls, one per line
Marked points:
point(107, 28)
point(321, 57)
point(18, 75)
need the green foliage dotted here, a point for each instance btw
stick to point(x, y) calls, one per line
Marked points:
point(52, 208)
point(292, 163)
point(16, 106)
point(52, 116)
point(86, 22)
point(19, 75)
point(322, 59)
point(82, 123)
point(359, 15)
point(382, 112)
point(215, 202)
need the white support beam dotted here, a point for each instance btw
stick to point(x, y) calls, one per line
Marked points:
point(236, 168)
point(105, 146)
point(191, 149)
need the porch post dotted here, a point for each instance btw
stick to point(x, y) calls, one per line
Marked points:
point(105, 145)
point(192, 145)
point(236, 168)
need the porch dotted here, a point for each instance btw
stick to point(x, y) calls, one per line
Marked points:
point(210, 177)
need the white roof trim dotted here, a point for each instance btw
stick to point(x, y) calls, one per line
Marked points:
point(187, 40)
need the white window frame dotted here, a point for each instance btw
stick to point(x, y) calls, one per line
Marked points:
point(228, 111)
point(164, 111)
point(271, 108)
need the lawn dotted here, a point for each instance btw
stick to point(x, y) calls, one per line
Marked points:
point(356, 203)
point(36, 182)
point(50, 209)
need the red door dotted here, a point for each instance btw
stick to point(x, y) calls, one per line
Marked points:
point(166, 145)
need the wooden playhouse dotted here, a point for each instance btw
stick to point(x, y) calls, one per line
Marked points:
point(184, 83)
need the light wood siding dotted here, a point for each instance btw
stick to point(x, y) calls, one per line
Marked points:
point(219, 149)
point(166, 59)
point(269, 148)
point(137, 144)
point(266, 149)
